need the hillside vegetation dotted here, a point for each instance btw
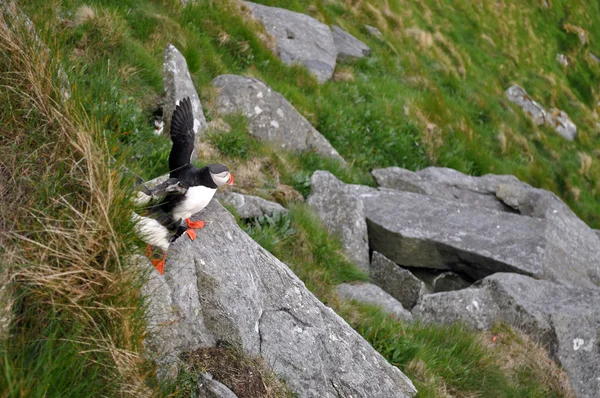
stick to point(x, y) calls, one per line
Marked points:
point(432, 93)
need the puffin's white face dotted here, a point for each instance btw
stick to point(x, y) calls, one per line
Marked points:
point(220, 175)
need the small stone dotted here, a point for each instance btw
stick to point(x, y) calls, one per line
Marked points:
point(348, 46)
point(372, 294)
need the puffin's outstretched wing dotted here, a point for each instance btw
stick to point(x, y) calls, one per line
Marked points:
point(182, 135)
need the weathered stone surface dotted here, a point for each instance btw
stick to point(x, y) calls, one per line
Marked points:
point(348, 46)
point(374, 31)
point(236, 292)
point(6, 302)
point(178, 85)
point(422, 231)
point(397, 281)
point(594, 58)
point(210, 388)
point(373, 294)
point(342, 212)
point(271, 117)
point(248, 206)
point(561, 123)
point(565, 320)
point(562, 59)
point(572, 249)
point(473, 307)
point(519, 96)
point(448, 281)
point(301, 39)
point(448, 184)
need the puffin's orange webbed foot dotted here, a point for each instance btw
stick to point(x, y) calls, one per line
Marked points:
point(192, 225)
point(160, 264)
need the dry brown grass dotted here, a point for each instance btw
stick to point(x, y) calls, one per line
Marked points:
point(58, 225)
point(517, 352)
point(247, 377)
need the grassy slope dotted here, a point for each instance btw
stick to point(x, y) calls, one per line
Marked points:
point(432, 94)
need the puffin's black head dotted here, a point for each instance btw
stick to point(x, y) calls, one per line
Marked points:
point(220, 174)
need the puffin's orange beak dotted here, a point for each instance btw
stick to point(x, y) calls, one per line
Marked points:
point(230, 182)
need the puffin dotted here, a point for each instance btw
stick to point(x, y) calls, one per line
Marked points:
point(187, 191)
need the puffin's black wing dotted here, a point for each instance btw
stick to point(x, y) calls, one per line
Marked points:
point(182, 135)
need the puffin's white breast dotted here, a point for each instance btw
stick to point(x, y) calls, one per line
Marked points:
point(196, 199)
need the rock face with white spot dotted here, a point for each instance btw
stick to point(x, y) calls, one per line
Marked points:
point(348, 46)
point(342, 212)
point(373, 294)
point(565, 320)
point(479, 225)
point(248, 206)
point(225, 287)
point(271, 117)
point(562, 124)
point(301, 39)
point(178, 85)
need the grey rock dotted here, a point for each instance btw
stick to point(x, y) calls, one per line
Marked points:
point(597, 232)
point(248, 206)
point(448, 281)
point(210, 388)
point(374, 31)
point(373, 294)
point(301, 39)
point(6, 303)
point(271, 117)
point(397, 281)
point(594, 58)
point(564, 319)
point(236, 292)
point(348, 46)
point(342, 212)
point(572, 249)
point(422, 231)
point(473, 307)
point(178, 85)
point(519, 96)
point(561, 123)
point(448, 184)
point(562, 59)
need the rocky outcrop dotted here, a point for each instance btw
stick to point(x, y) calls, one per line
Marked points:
point(248, 206)
point(301, 39)
point(342, 212)
point(348, 46)
point(225, 287)
point(178, 85)
point(455, 224)
point(565, 319)
point(448, 184)
point(271, 117)
point(397, 281)
point(556, 118)
point(372, 294)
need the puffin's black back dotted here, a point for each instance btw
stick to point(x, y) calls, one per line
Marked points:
point(182, 135)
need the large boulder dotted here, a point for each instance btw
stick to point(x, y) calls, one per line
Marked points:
point(448, 184)
point(248, 206)
point(178, 85)
point(271, 117)
point(301, 39)
point(397, 281)
point(348, 46)
point(223, 287)
point(372, 294)
point(564, 319)
point(479, 225)
point(342, 212)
